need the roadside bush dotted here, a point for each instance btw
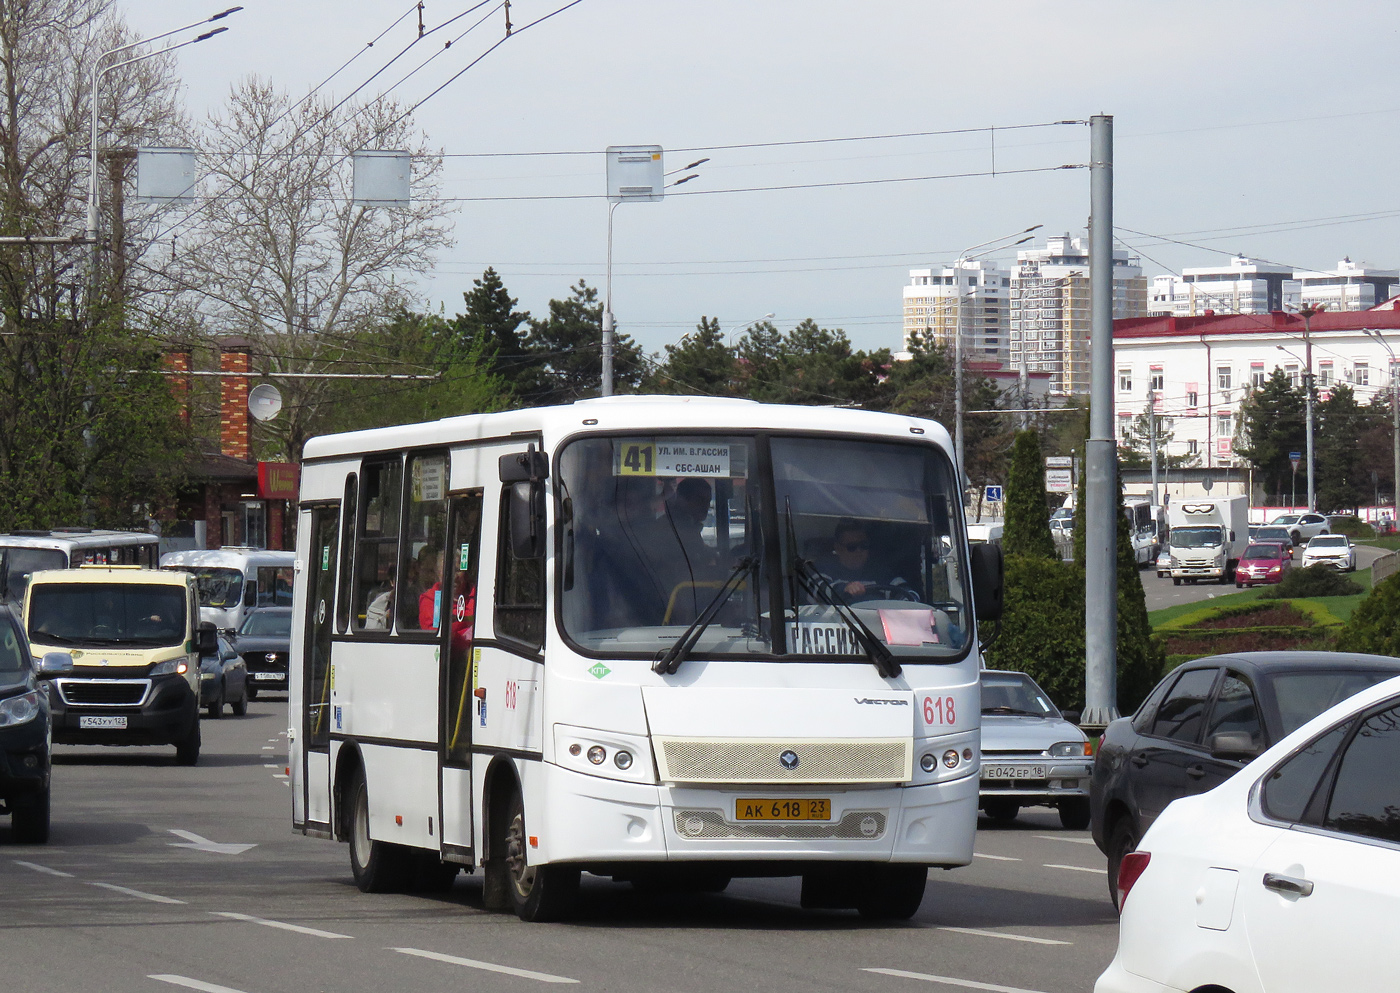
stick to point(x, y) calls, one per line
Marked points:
point(1042, 628)
point(1315, 580)
point(1352, 527)
point(1373, 626)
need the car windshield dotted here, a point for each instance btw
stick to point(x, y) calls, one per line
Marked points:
point(1274, 534)
point(1014, 693)
point(657, 529)
point(1301, 696)
point(1263, 552)
point(1328, 541)
point(1285, 519)
point(111, 614)
point(271, 623)
point(21, 562)
point(13, 657)
point(217, 587)
point(1200, 537)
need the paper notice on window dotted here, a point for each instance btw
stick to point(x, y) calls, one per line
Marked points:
point(672, 458)
point(909, 627)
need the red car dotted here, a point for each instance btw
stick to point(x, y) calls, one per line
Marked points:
point(1263, 562)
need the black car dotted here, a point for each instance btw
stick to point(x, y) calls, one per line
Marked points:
point(264, 640)
point(223, 679)
point(24, 737)
point(1204, 723)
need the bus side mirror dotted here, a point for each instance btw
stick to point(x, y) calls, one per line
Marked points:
point(528, 466)
point(988, 585)
point(206, 638)
point(250, 594)
point(527, 520)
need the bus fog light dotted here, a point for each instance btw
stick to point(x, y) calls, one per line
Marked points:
point(622, 759)
point(575, 749)
point(928, 763)
point(967, 754)
point(950, 758)
point(596, 754)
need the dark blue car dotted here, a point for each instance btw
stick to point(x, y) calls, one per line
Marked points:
point(24, 737)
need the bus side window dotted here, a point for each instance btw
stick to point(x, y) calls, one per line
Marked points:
point(347, 557)
point(519, 588)
point(420, 586)
point(377, 553)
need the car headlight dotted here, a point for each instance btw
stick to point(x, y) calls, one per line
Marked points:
point(1070, 749)
point(170, 667)
point(18, 709)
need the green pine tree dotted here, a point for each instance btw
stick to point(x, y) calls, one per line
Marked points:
point(1027, 529)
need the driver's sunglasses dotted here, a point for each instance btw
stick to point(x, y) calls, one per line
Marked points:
point(856, 546)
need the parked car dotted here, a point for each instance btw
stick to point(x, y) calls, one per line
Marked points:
point(264, 641)
point(1277, 533)
point(1253, 530)
point(1302, 527)
point(223, 679)
point(1201, 724)
point(1264, 563)
point(1335, 550)
point(25, 732)
point(1164, 562)
point(1031, 755)
point(1286, 878)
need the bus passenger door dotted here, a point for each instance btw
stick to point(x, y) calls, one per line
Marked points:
point(316, 665)
point(457, 682)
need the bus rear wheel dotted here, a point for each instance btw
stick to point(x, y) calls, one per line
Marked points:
point(378, 866)
point(537, 893)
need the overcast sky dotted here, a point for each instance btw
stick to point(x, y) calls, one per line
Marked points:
point(1255, 128)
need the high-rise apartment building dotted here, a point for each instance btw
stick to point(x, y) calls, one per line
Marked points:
point(1245, 286)
point(1050, 321)
point(1347, 287)
point(975, 295)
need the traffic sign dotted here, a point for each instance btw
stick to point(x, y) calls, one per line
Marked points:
point(1059, 462)
point(1295, 458)
point(993, 494)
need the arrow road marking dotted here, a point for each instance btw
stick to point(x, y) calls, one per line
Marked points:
point(199, 844)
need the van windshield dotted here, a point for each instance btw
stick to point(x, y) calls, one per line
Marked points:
point(216, 587)
point(1195, 537)
point(21, 562)
point(107, 614)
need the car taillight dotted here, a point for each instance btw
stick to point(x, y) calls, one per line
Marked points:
point(1132, 866)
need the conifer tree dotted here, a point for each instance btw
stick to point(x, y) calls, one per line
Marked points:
point(1027, 529)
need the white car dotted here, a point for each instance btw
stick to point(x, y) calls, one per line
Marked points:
point(1335, 550)
point(1284, 878)
point(1302, 527)
point(1164, 562)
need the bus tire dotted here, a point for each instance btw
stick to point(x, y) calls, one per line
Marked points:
point(187, 751)
point(378, 866)
point(538, 893)
point(891, 892)
point(29, 822)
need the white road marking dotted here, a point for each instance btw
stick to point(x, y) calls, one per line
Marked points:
point(995, 858)
point(1060, 837)
point(267, 748)
point(1073, 868)
point(1003, 934)
point(967, 984)
point(153, 897)
point(43, 868)
point(314, 932)
point(543, 977)
point(278, 775)
point(198, 844)
point(271, 765)
point(194, 984)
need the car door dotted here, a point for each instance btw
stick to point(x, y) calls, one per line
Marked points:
point(1235, 709)
point(1163, 754)
point(1321, 902)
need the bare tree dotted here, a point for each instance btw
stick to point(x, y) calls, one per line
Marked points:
point(284, 256)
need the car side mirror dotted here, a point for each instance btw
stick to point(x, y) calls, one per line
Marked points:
point(55, 664)
point(207, 639)
point(1233, 745)
point(1071, 715)
point(988, 582)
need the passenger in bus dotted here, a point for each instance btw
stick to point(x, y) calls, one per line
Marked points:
point(686, 511)
point(380, 604)
point(849, 568)
point(430, 576)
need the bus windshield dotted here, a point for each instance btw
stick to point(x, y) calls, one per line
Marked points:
point(1202, 537)
point(112, 614)
point(217, 587)
point(21, 562)
point(658, 530)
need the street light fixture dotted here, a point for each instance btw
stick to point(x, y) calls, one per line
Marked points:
point(745, 326)
point(1394, 412)
point(1308, 400)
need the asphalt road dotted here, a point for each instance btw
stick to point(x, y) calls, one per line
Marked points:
point(1161, 593)
point(120, 902)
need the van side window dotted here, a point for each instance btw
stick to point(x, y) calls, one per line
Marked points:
point(377, 552)
point(420, 598)
point(519, 588)
point(347, 555)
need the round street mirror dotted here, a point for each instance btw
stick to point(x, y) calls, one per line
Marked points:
point(264, 401)
point(1207, 483)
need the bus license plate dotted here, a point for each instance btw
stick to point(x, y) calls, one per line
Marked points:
point(87, 721)
point(805, 809)
point(1013, 772)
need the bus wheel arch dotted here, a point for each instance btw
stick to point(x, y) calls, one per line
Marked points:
point(348, 765)
point(501, 783)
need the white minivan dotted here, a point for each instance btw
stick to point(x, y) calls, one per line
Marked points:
point(233, 580)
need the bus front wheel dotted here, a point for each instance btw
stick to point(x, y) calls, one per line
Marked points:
point(892, 892)
point(378, 866)
point(537, 893)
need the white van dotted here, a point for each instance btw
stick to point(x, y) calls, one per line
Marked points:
point(25, 552)
point(233, 579)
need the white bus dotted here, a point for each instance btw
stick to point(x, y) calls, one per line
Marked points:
point(25, 552)
point(233, 580)
point(543, 643)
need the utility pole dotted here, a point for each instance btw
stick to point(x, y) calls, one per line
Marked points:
point(1152, 438)
point(1100, 512)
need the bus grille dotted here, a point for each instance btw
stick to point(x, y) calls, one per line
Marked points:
point(709, 760)
point(104, 692)
point(860, 825)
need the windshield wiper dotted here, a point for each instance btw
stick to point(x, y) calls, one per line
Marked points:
point(1013, 711)
point(677, 653)
point(824, 590)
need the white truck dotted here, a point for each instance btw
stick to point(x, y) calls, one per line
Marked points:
point(1207, 537)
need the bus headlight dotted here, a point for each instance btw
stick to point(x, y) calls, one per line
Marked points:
point(19, 709)
point(604, 753)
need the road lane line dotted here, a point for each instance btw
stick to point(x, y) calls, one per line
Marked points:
point(154, 898)
point(967, 984)
point(278, 775)
point(271, 765)
point(1057, 837)
point(194, 984)
point(1003, 934)
point(543, 977)
point(314, 932)
point(995, 858)
point(1073, 868)
point(43, 868)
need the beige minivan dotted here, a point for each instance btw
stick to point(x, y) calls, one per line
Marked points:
point(120, 645)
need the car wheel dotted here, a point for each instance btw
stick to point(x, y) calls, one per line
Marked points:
point(29, 824)
point(1002, 810)
point(1074, 813)
point(1297, 538)
point(537, 893)
point(240, 707)
point(187, 751)
point(1176, 581)
point(378, 866)
point(1239, 585)
point(216, 706)
point(891, 892)
point(252, 692)
point(1121, 840)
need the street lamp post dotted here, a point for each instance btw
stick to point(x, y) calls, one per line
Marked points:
point(1308, 402)
point(1394, 413)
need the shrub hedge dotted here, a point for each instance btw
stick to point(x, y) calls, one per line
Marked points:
point(1315, 580)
